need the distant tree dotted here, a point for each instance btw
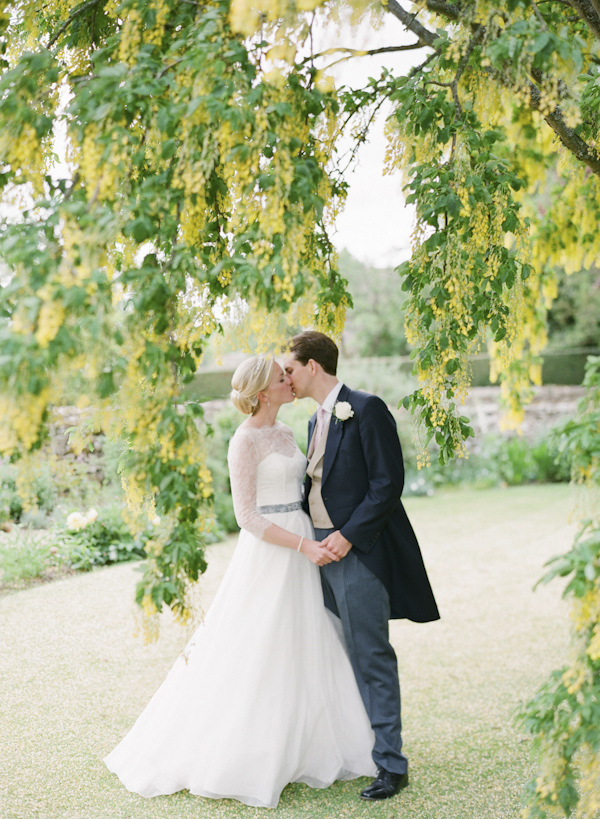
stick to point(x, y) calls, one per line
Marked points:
point(574, 317)
point(375, 325)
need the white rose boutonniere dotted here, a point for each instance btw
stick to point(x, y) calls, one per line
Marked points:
point(342, 411)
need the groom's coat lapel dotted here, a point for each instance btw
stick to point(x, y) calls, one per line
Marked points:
point(334, 437)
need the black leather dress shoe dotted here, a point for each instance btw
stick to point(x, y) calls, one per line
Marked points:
point(386, 784)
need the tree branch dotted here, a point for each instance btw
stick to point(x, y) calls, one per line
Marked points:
point(76, 12)
point(362, 137)
point(356, 108)
point(567, 136)
point(458, 109)
point(588, 12)
point(420, 67)
point(71, 189)
point(572, 141)
point(540, 16)
point(93, 26)
point(168, 67)
point(410, 22)
point(445, 9)
point(354, 52)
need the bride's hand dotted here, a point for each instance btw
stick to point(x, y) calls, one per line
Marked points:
point(317, 553)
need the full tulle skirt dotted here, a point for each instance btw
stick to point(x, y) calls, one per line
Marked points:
point(263, 695)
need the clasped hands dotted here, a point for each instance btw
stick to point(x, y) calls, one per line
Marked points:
point(332, 548)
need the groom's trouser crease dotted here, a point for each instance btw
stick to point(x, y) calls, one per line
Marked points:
point(355, 595)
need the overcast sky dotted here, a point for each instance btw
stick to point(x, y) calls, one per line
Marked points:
point(376, 224)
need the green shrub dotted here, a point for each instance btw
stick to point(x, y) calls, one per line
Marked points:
point(552, 465)
point(74, 478)
point(499, 460)
point(514, 461)
point(517, 461)
point(36, 519)
point(11, 505)
point(25, 556)
point(209, 384)
point(100, 542)
point(223, 426)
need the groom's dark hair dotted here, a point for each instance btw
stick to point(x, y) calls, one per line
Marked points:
point(318, 346)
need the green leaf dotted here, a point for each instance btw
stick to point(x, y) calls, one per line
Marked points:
point(105, 384)
point(168, 148)
point(141, 228)
point(540, 41)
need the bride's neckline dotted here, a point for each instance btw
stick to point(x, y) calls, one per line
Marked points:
point(262, 428)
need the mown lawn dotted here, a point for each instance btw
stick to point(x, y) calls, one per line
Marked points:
point(73, 677)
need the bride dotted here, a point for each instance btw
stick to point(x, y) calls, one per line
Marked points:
point(264, 693)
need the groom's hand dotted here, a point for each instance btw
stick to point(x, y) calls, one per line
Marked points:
point(337, 544)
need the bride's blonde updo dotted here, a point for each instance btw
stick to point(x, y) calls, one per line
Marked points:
point(252, 376)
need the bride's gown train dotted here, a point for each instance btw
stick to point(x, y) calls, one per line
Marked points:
point(264, 693)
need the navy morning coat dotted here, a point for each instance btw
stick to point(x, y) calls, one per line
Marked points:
point(363, 478)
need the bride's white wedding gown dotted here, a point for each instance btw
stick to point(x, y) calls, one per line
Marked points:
point(264, 693)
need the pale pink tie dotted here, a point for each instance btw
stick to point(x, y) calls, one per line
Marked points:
point(319, 427)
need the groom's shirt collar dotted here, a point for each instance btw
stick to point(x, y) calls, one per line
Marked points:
point(329, 402)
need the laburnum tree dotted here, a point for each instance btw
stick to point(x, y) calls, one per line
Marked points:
point(202, 175)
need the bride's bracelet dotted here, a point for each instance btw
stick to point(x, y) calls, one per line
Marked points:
point(300, 544)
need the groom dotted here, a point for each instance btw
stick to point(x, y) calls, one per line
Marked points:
point(354, 481)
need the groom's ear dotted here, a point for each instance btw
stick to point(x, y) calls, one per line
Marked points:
point(313, 366)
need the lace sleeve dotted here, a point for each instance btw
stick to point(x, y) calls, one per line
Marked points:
point(243, 465)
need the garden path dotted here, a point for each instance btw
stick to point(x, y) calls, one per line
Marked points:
point(73, 678)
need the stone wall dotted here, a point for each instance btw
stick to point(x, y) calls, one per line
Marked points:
point(550, 404)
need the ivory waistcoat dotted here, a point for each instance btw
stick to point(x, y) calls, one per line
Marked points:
point(314, 470)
